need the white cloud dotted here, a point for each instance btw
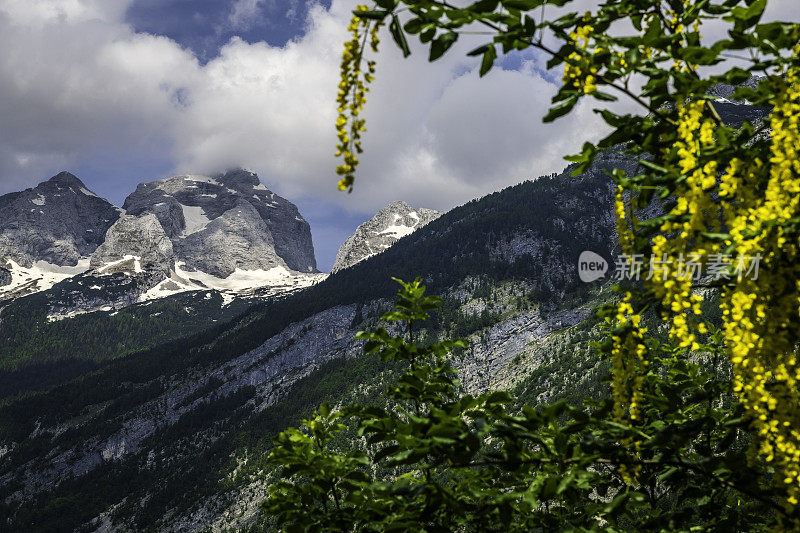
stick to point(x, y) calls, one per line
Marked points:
point(39, 13)
point(75, 79)
point(437, 134)
point(244, 13)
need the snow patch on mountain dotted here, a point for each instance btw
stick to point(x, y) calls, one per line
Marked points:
point(240, 283)
point(194, 217)
point(134, 259)
point(38, 277)
point(401, 230)
point(226, 232)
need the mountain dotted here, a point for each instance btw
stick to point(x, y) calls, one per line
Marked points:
point(48, 232)
point(174, 436)
point(133, 243)
point(213, 220)
point(59, 221)
point(391, 223)
point(159, 416)
point(225, 232)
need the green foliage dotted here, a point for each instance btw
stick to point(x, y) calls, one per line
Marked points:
point(36, 352)
point(441, 460)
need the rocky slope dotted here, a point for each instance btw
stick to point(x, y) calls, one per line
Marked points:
point(176, 436)
point(391, 223)
point(133, 244)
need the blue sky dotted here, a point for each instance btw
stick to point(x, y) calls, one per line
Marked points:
point(205, 25)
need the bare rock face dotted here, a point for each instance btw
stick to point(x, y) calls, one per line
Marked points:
point(5, 277)
point(134, 244)
point(391, 223)
point(189, 206)
point(58, 221)
point(239, 238)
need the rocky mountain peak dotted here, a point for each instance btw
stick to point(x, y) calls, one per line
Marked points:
point(391, 223)
point(134, 244)
point(59, 222)
point(188, 205)
point(66, 179)
point(238, 178)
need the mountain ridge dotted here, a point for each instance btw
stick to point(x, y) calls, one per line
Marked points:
point(176, 431)
point(385, 228)
point(171, 234)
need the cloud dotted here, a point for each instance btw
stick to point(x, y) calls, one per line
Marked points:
point(244, 13)
point(437, 134)
point(77, 81)
point(39, 13)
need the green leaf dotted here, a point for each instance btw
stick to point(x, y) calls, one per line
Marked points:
point(375, 14)
point(561, 108)
point(480, 50)
point(487, 62)
point(399, 37)
point(385, 452)
point(717, 236)
point(747, 17)
point(414, 25)
point(605, 97)
point(442, 44)
point(652, 166)
point(523, 5)
point(483, 6)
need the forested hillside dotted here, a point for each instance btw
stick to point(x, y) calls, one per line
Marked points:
point(176, 434)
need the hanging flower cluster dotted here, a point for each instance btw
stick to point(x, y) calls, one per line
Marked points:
point(758, 205)
point(628, 350)
point(352, 94)
point(762, 316)
point(627, 359)
point(579, 71)
point(681, 241)
point(629, 365)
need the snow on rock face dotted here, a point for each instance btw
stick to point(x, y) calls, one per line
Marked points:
point(241, 282)
point(195, 219)
point(40, 276)
point(53, 222)
point(391, 223)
